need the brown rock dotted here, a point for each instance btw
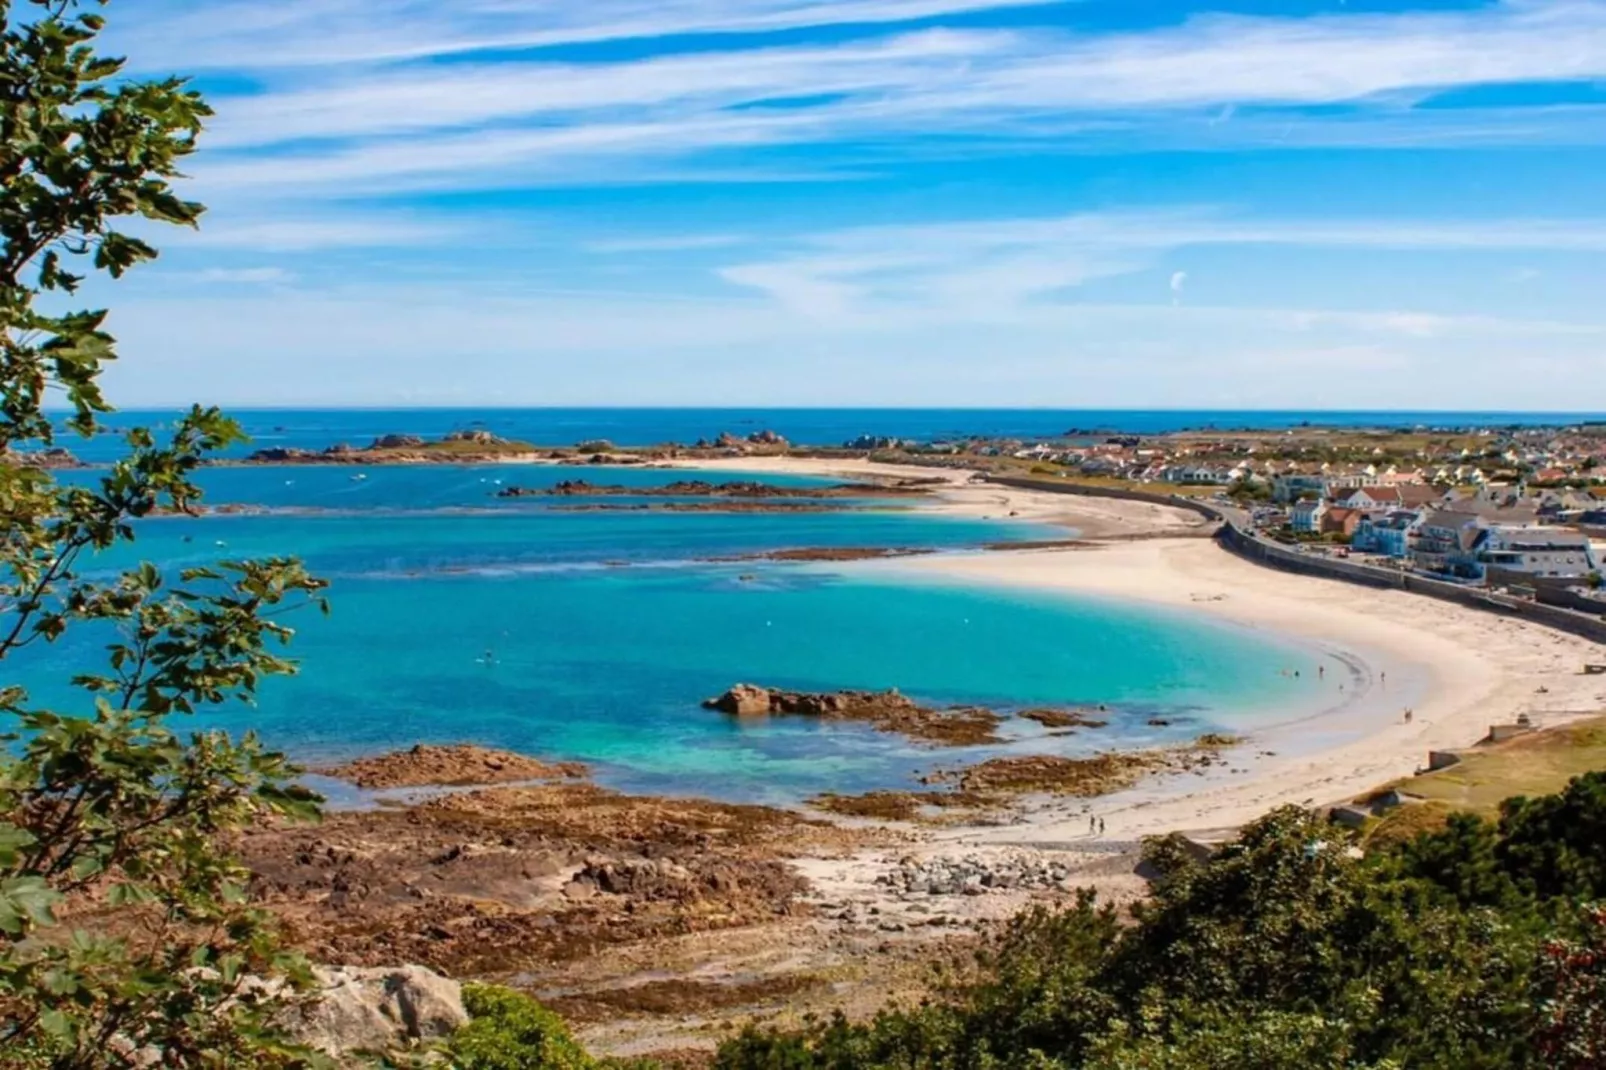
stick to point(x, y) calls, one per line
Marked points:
point(886, 711)
point(450, 766)
point(377, 1009)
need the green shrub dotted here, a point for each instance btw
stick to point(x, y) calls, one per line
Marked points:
point(1458, 949)
point(510, 1031)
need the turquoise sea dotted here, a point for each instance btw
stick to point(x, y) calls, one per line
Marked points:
point(605, 630)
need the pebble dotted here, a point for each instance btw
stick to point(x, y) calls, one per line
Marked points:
point(975, 875)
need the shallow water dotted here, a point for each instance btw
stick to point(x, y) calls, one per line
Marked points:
point(594, 636)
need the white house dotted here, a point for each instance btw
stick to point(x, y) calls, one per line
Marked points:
point(1537, 551)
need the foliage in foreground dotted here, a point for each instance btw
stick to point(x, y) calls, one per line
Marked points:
point(124, 933)
point(1462, 949)
point(511, 1031)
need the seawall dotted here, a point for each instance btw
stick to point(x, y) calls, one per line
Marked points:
point(1234, 536)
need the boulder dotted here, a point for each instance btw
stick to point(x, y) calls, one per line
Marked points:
point(381, 1009)
point(743, 700)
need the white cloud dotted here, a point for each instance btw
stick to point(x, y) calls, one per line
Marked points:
point(667, 244)
point(246, 276)
point(224, 228)
point(521, 119)
point(194, 34)
point(392, 346)
point(353, 123)
point(389, 101)
point(999, 265)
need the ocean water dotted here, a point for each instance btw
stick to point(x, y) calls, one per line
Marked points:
point(317, 428)
point(460, 616)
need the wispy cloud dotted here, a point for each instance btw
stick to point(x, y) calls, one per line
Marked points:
point(352, 119)
point(234, 227)
point(256, 276)
point(193, 34)
point(999, 265)
point(331, 347)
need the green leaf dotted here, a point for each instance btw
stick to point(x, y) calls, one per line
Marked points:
point(26, 902)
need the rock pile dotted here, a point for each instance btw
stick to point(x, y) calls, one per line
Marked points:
point(975, 875)
point(886, 711)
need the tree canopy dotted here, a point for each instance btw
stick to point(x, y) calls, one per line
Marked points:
point(124, 929)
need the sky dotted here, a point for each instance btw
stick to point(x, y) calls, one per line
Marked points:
point(1101, 203)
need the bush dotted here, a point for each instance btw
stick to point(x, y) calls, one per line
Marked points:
point(511, 1031)
point(125, 934)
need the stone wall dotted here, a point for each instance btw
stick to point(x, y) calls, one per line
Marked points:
point(1264, 552)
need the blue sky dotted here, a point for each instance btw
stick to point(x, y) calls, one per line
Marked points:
point(1245, 203)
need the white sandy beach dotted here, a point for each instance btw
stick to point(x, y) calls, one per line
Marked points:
point(1459, 669)
point(1477, 669)
point(1092, 518)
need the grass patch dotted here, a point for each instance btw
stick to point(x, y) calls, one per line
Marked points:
point(1538, 764)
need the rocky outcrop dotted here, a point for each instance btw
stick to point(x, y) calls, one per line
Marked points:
point(384, 1009)
point(766, 438)
point(284, 455)
point(836, 553)
point(886, 711)
point(499, 881)
point(53, 457)
point(397, 442)
point(698, 488)
point(451, 766)
point(1052, 718)
point(460, 447)
point(1098, 774)
point(477, 436)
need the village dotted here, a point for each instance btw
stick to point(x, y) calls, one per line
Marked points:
point(1513, 508)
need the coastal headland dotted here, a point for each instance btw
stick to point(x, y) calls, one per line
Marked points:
point(645, 919)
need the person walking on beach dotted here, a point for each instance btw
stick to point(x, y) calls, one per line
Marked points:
point(1408, 715)
point(1092, 826)
point(1101, 826)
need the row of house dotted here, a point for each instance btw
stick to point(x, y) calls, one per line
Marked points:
point(1488, 536)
